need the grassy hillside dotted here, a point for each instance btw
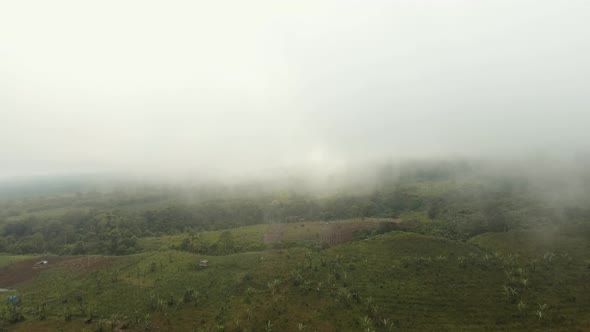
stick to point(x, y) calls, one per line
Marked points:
point(258, 237)
point(496, 281)
point(10, 259)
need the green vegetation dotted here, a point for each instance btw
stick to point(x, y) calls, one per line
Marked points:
point(397, 280)
point(431, 251)
point(10, 259)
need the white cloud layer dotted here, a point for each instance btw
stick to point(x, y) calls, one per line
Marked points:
point(219, 87)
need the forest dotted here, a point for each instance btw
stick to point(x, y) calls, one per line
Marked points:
point(445, 196)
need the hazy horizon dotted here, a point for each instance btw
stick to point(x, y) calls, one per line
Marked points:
point(241, 88)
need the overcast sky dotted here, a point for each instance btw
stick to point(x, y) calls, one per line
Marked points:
point(242, 86)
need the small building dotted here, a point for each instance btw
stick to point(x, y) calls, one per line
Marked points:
point(203, 263)
point(42, 263)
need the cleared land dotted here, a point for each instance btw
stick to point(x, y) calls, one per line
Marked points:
point(395, 281)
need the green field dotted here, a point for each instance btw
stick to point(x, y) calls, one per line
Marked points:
point(508, 281)
point(10, 259)
point(444, 247)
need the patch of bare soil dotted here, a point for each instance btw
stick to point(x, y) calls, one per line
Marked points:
point(21, 272)
point(337, 233)
point(329, 234)
point(86, 263)
point(274, 233)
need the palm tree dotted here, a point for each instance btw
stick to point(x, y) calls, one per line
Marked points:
point(187, 296)
point(548, 257)
point(344, 295)
point(541, 310)
point(67, 314)
point(510, 292)
point(250, 314)
point(273, 286)
point(115, 318)
point(319, 287)
point(160, 305)
point(367, 324)
point(521, 306)
point(461, 260)
point(374, 310)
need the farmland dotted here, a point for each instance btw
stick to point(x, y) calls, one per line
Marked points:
point(396, 280)
point(305, 166)
point(425, 253)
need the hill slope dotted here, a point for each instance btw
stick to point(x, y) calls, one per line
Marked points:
point(397, 280)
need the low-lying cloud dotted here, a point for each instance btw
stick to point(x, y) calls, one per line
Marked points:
point(232, 87)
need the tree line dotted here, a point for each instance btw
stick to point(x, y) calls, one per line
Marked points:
point(454, 208)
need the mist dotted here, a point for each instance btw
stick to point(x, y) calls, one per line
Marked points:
point(259, 88)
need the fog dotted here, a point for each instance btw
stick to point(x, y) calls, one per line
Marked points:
point(244, 88)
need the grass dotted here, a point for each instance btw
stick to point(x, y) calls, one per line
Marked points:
point(244, 236)
point(256, 237)
point(11, 259)
point(570, 238)
point(396, 280)
point(421, 216)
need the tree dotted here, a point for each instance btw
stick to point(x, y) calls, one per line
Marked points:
point(79, 248)
point(186, 244)
point(226, 242)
